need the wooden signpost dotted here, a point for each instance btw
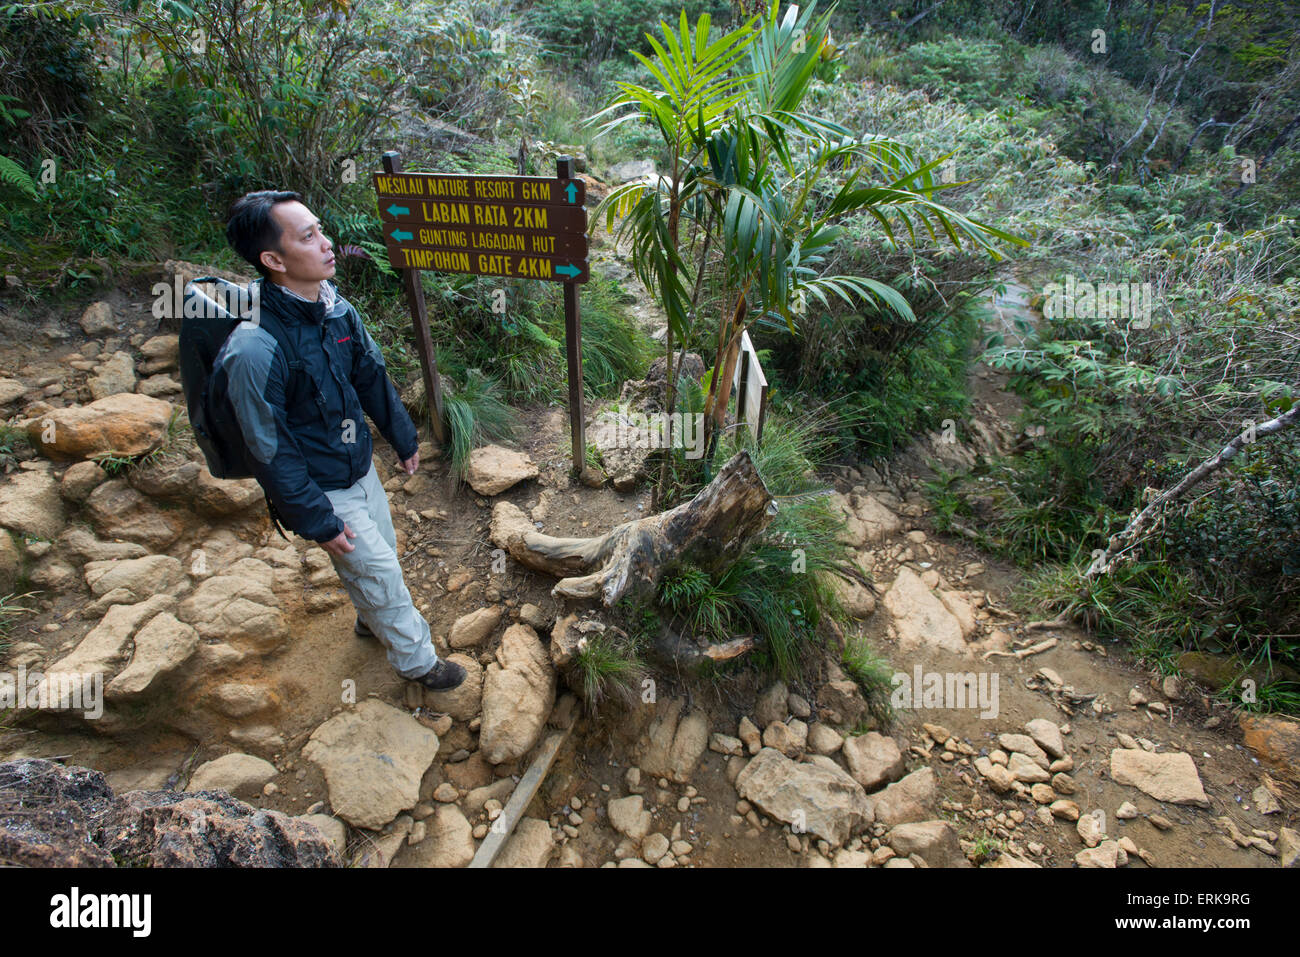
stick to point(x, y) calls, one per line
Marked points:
point(516, 227)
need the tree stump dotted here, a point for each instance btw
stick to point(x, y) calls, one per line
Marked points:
point(710, 530)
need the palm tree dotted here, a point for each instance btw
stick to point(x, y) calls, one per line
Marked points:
point(765, 180)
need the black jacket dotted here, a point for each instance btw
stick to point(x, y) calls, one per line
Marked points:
point(303, 417)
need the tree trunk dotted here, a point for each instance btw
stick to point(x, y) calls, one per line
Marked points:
point(710, 530)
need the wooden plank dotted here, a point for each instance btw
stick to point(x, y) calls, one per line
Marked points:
point(423, 342)
point(570, 245)
point(465, 215)
point(520, 799)
point(506, 265)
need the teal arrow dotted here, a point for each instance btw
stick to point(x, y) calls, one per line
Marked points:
point(572, 191)
point(402, 235)
point(571, 271)
point(395, 210)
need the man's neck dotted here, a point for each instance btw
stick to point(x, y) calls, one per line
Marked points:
point(309, 289)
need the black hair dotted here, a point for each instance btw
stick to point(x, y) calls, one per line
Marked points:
point(250, 229)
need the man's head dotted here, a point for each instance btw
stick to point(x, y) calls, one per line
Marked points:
point(280, 237)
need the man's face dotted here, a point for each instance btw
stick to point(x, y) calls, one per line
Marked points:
point(305, 254)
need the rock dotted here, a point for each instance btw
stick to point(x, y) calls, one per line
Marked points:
point(935, 841)
point(858, 600)
point(493, 469)
point(81, 542)
point(674, 745)
point(464, 702)
point(124, 424)
point(1160, 822)
point(529, 846)
point(373, 758)
point(1065, 810)
point(653, 848)
point(1047, 736)
point(518, 694)
point(1171, 778)
point(161, 352)
point(959, 607)
point(449, 841)
point(80, 479)
point(1023, 744)
point(842, 696)
point(113, 376)
point(119, 511)
point(71, 818)
point(920, 618)
point(853, 532)
point(879, 521)
point(243, 775)
point(1288, 847)
point(824, 802)
point(238, 700)
point(906, 800)
point(1090, 829)
point(772, 705)
point(98, 320)
point(220, 497)
point(1126, 812)
point(11, 390)
point(30, 504)
point(1275, 740)
point(999, 778)
point(873, 759)
point(749, 735)
point(104, 649)
point(1106, 854)
point(469, 630)
point(725, 744)
point(629, 817)
point(781, 736)
point(237, 610)
point(331, 828)
point(823, 739)
point(139, 577)
point(1025, 770)
point(630, 170)
point(161, 647)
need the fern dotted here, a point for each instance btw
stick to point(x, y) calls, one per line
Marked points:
point(15, 175)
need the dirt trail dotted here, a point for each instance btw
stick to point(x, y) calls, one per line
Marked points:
point(443, 538)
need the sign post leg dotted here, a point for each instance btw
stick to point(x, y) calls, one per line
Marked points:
point(420, 322)
point(573, 351)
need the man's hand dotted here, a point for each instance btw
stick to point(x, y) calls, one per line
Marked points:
point(412, 463)
point(339, 545)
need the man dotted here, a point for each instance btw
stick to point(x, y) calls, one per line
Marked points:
point(301, 414)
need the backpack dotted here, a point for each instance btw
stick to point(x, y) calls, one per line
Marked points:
point(206, 324)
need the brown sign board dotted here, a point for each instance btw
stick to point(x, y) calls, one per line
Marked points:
point(410, 236)
point(508, 265)
point(484, 216)
point(534, 190)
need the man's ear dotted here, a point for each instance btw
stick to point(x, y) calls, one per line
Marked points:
point(272, 261)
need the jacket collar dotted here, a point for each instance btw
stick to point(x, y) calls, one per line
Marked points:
point(297, 309)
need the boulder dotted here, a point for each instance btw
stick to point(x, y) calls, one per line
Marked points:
point(243, 775)
point(80, 479)
point(873, 759)
point(492, 469)
point(373, 758)
point(138, 577)
point(161, 647)
point(119, 511)
point(878, 520)
point(470, 630)
point(465, 701)
point(934, 841)
point(237, 610)
point(906, 800)
point(629, 817)
point(98, 320)
point(518, 693)
point(1047, 736)
point(920, 617)
point(219, 497)
point(124, 424)
point(1166, 777)
point(113, 376)
point(30, 504)
point(104, 649)
point(675, 742)
point(529, 846)
point(1275, 740)
point(812, 797)
point(449, 841)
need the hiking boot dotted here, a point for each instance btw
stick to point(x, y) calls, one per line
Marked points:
point(361, 631)
point(443, 676)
